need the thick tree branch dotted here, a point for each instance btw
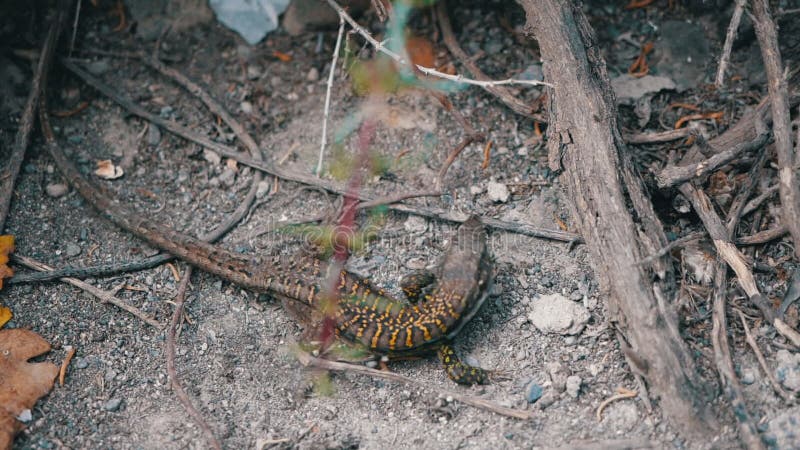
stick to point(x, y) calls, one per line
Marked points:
point(602, 184)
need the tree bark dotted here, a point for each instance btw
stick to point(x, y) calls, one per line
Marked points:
point(613, 211)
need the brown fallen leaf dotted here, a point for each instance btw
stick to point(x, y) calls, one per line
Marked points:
point(21, 382)
point(6, 247)
point(106, 169)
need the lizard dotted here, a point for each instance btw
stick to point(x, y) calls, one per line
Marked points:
point(363, 314)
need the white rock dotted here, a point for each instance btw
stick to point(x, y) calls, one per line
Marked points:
point(788, 370)
point(247, 107)
point(56, 190)
point(557, 314)
point(313, 74)
point(415, 224)
point(573, 386)
point(782, 429)
point(475, 190)
point(498, 192)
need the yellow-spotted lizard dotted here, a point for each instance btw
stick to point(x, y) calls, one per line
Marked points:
point(362, 313)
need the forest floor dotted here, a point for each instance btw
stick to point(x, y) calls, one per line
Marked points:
point(235, 353)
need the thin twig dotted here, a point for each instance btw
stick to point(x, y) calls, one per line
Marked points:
point(725, 248)
point(722, 358)
point(767, 37)
point(763, 237)
point(500, 92)
point(788, 332)
point(674, 175)
point(175, 381)
point(326, 111)
point(90, 272)
point(738, 204)
point(681, 241)
point(103, 296)
point(310, 361)
point(426, 70)
point(229, 152)
point(452, 157)
point(8, 175)
point(621, 394)
point(659, 137)
point(730, 36)
point(753, 204)
point(760, 357)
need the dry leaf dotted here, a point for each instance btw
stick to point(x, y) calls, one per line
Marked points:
point(21, 382)
point(6, 247)
point(5, 315)
point(107, 170)
point(420, 50)
point(284, 57)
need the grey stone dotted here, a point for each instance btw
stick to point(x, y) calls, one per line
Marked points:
point(629, 89)
point(534, 392)
point(113, 404)
point(313, 74)
point(573, 386)
point(783, 430)
point(748, 376)
point(81, 363)
point(415, 224)
point(153, 135)
point(98, 67)
point(788, 370)
point(73, 250)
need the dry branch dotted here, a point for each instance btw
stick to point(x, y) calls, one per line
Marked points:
point(722, 358)
point(22, 138)
point(779, 102)
point(103, 296)
point(584, 137)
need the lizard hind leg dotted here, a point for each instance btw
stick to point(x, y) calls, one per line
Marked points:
point(459, 371)
point(417, 284)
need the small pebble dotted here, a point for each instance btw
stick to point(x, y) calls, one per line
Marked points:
point(475, 190)
point(81, 363)
point(253, 72)
point(113, 404)
point(153, 135)
point(56, 190)
point(73, 250)
point(522, 151)
point(313, 74)
point(533, 393)
point(371, 364)
point(573, 386)
point(748, 377)
point(497, 192)
point(25, 416)
point(415, 224)
point(246, 107)
point(98, 67)
point(570, 340)
point(576, 296)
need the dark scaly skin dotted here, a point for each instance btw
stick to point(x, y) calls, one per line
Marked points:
point(362, 313)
